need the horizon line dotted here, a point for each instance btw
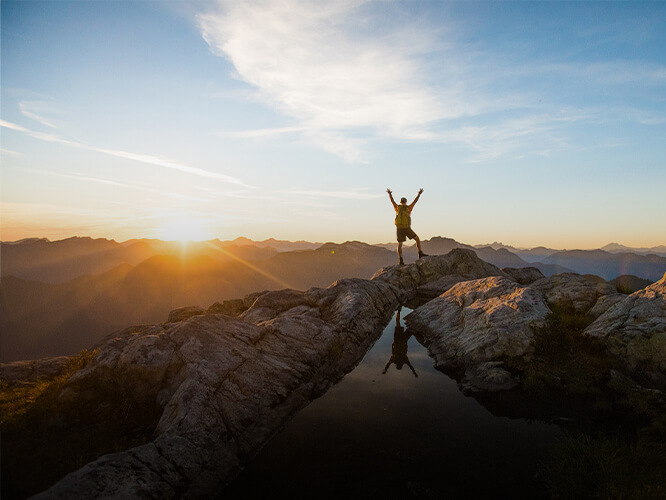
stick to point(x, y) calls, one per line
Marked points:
point(340, 242)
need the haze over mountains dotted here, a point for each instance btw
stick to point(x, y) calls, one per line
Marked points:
point(63, 296)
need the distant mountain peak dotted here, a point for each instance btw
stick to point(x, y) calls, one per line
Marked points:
point(26, 241)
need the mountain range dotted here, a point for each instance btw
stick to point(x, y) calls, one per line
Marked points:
point(539, 253)
point(63, 296)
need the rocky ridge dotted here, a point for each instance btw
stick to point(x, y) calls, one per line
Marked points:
point(225, 385)
point(226, 379)
point(634, 328)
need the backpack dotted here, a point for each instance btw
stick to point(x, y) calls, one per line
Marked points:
point(402, 218)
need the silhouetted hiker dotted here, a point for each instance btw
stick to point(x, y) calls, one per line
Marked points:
point(403, 222)
point(399, 347)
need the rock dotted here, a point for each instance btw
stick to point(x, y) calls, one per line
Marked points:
point(223, 385)
point(604, 303)
point(524, 275)
point(477, 322)
point(269, 304)
point(182, 313)
point(437, 287)
point(634, 328)
point(487, 377)
point(433, 275)
point(234, 307)
point(223, 382)
point(571, 291)
point(628, 283)
point(29, 371)
point(593, 278)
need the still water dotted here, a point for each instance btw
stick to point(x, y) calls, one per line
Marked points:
point(384, 432)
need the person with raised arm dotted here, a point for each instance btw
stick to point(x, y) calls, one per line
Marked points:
point(403, 223)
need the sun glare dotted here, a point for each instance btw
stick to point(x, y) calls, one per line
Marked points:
point(184, 229)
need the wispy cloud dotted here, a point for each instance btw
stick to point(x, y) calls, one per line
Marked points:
point(140, 157)
point(10, 152)
point(355, 194)
point(257, 133)
point(507, 137)
point(342, 73)
point(312, 61)
point(35, 110)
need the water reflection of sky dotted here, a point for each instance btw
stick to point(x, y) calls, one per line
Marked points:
point(397, 435)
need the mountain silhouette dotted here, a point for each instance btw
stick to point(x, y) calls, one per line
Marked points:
point(47, 319)
point(610, 265)
point(63, 296)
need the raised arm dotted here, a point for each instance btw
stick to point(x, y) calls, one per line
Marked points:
point(391, 360)
point(416, 199)
point(395, 205)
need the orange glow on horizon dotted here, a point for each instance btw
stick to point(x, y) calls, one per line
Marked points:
point(184, 229)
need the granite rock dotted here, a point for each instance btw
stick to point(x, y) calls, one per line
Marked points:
point(570, 291)
point(524, 275)
point(634, 328)
point(478, 322)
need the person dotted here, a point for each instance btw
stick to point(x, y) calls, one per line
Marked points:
point(399, 347)
point(403, 223)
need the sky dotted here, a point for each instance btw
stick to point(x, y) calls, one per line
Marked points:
point(526, 122)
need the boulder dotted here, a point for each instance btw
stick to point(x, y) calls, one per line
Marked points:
point(182, 313)
point(487, 377)
point(604, 303)
point(234, 307)
point(29, 371)
point(572, 292)
point(524, 275)
point(634, 328)
point(479, 322)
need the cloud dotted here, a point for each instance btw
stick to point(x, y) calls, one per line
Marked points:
point(140, 157)
point(356, 195)
point(325, 66)
point(10, 152)
point(506, 137)
point(258, 133)
point(346, 72)
point(35, 111)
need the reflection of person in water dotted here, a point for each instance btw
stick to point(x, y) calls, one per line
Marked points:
point(399, 347)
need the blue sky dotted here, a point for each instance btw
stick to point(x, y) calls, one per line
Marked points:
point(531, 123)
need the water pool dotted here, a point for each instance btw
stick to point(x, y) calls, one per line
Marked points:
point(384, 432)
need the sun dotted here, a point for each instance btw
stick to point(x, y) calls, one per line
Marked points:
point(184, 229)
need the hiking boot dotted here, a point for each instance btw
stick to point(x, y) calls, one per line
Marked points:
point(421, 254)
point(402, 262)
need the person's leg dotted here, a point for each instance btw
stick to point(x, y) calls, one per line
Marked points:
point(418, 246)
point(400, 251)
